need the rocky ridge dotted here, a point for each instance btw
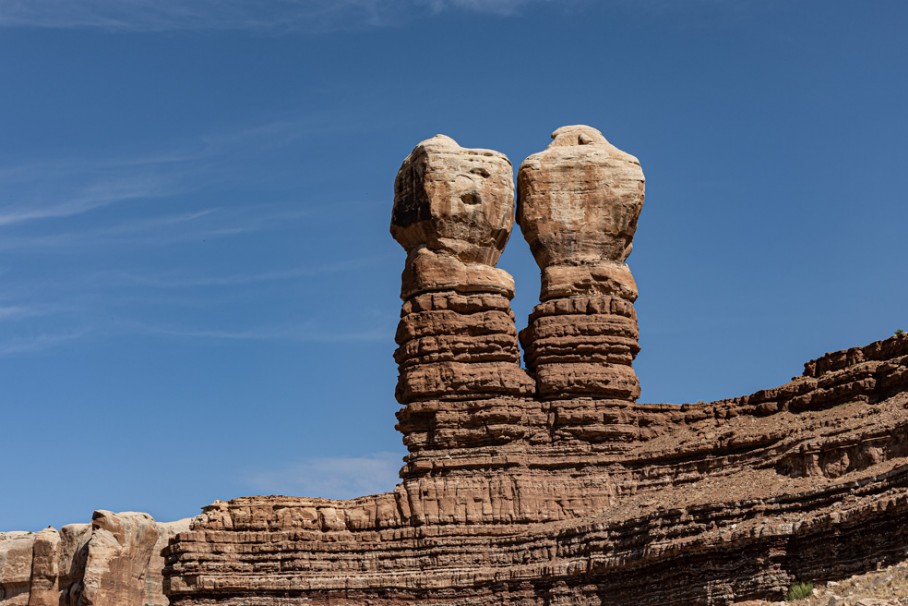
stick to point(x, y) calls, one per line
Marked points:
point(550, 485)
point(545, 485)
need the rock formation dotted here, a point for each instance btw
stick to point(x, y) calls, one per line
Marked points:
point(578, 206)
point(552, 486)
point(453, 213)
point(114, 561)
point(548, 486)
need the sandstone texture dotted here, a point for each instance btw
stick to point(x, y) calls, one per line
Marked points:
point(551, 485)
point(116, 560)
point(543, 485)
point(457, 341)
point(578, 206)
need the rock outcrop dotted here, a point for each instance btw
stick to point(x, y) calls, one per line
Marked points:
point(114, 561)
point(544, 486)
point(551, 486)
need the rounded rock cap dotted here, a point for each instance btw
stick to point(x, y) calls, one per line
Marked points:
point(581, 134)
point(454, 201)
point(579, 199)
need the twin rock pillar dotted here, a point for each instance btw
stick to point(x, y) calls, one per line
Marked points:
point(578, 204)
point(457, 353)
point(460, 376)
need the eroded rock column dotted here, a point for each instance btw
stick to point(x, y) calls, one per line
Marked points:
point(45, 589)
point(578, 204)
point(458, 353)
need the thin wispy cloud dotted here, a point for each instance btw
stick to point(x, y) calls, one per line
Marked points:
point(493, 7)
point(16, 311)
point(85, 199)
point(158, 230)
point(331, 477)
point(305, 333)
point(182, 280)
point(40, 191)
point(39, 342)
point(276, 16)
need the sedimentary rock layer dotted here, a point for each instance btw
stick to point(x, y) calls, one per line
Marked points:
point(578, 205)
point(555, 488)
point(543, 488)
point(457, 342)
point(691, 504)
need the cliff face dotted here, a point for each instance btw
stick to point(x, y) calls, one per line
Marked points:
point(544, 485)
point(115, 560)
point(550, 485)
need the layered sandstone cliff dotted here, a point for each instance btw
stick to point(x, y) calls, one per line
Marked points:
point(550, 485)
point(545, 484)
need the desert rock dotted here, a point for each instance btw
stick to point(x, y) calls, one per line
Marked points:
point(563, 490)
point(457, 342)
point(542, 487)
point(114, 561)
point(578, 205)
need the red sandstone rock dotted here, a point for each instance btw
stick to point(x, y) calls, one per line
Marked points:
point(570, 493)
point(453, 213)
point(578, 204)
point(619, 503)
point(563, 492)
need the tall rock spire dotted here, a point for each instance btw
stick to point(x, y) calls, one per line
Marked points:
point(457, 343)
point(578, 204)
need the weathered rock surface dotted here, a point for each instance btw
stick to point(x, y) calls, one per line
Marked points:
point(457, 342)
point(541, 487)
point(578, 204)
point(16, 550)
point(561, 490)
point(886, 586)
point(116, 560)
point(45, 572)
point(700, 503)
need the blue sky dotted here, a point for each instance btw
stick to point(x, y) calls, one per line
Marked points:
point(198, 291)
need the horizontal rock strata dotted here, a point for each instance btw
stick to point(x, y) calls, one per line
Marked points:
point(578, 205)
point(551, 486)
point(548, 486)
point(699, 503)
point(460, 378)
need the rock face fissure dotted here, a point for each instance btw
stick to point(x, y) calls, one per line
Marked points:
point(547, 485)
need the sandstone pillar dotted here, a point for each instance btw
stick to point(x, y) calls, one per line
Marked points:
point(453, 213)
point(44, 590)
point(578, 204)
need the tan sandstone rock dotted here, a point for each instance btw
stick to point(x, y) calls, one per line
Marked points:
point(578, 204)
point(74, 540)
point(154, 589)
point(45, 573)
point(455, 201)
point(16, 549)
point(453, 213)
point(563, 492)
point(120, 548)
point(116, 560)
